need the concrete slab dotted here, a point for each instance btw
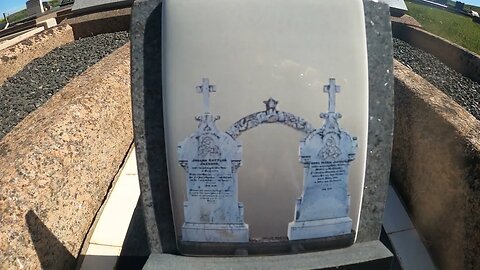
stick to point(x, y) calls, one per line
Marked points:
point(410, 251)
point(101, 257)
point(115, 218)
point(396, 218)
point(10, 42)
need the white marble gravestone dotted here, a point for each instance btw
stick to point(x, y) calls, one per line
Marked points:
point(211, 159)
point(322, 210)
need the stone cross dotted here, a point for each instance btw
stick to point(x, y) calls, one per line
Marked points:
point(205, 89)
point(331, 89)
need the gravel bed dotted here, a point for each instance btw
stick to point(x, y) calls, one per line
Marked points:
point(31, 87)
point(461, 89)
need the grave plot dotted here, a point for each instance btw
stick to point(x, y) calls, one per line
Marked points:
point(436, 150)
point(31, 87)
point(461, 89)
point(65, 127)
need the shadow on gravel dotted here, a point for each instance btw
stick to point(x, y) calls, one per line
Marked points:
point(53, 255)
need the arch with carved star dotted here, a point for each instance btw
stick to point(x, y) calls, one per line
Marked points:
point(270, 115)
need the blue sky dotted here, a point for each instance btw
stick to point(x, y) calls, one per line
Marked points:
point(9, 6)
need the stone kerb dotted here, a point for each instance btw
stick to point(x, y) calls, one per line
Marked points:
point(58, 163)
point(14, 58)
point(456, 57)
point(436, 166)
point(100, 22)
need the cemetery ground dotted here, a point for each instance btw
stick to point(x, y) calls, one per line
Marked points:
point(69, 179)
point(454, 27)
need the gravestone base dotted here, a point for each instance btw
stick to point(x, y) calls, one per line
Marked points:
point(319, 228)
point(200, 232)
point(265, 246)
point(368, 255)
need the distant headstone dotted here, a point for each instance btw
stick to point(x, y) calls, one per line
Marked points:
point(322, 210)
point(66, 2)
point(459, 5)
point(397, 7)
point(34, 7)
point(91, 5)
point(211, 159)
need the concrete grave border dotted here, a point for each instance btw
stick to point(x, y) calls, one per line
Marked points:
point(150, 137)
point(14, 58)
point(436, 168)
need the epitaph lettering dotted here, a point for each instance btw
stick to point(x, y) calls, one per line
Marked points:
point(322, 210)
point(211, 159)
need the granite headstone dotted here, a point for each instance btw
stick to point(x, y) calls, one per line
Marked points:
point(34, 7)
point(150, 129)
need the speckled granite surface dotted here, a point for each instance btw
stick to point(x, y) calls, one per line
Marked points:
point(14, 58)
point(147, 107)
point(57, 165)
point(149, 129)
point(436, 167)
point(380, 120)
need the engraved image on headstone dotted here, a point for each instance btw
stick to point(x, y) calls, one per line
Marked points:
point(211, 159)
point(322, 210)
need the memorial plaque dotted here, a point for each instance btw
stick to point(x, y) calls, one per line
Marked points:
point(211, 159)
point(264, 55)
point(285, 51)
point(322, 210)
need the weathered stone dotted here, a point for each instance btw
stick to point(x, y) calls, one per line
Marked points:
point(57, 165)
point(90, 5)
point(14, 58)
point(34, 7)
point(436, 166)
point(407, 19)
point(380, 120)
point(100, 22)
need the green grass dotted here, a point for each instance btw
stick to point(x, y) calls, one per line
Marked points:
point(17, 16)
point(54, 3)
point(453, 27)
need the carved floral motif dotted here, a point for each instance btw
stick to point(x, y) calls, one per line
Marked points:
point(270, 115)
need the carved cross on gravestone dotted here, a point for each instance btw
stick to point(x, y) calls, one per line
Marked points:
point(211, 159)
point(205, 89)
point(331, 89)
point(322, 210)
